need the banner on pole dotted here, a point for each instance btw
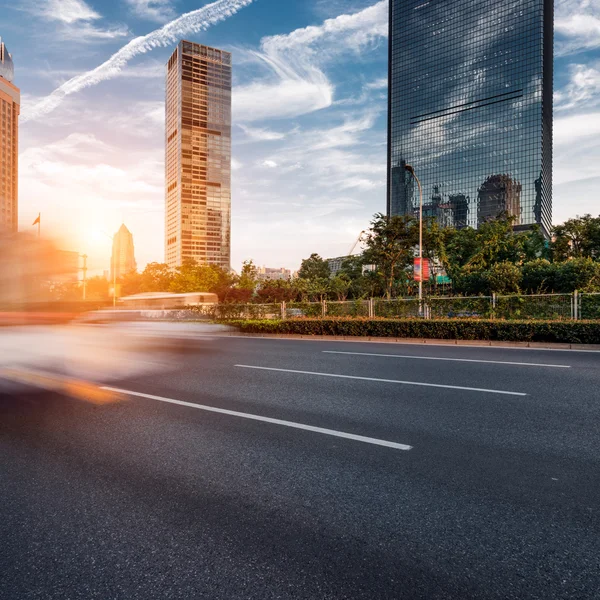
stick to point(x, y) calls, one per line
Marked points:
point(421, 274)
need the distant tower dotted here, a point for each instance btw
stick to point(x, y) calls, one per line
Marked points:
point(198, 156)
point(10, 101)
point(123, 258)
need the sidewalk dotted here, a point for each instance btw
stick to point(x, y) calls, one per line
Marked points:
point(422, 341)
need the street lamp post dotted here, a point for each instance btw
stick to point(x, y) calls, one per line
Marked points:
point(411, 170)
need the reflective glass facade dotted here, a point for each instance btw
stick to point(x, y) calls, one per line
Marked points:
point(470, 108)
point(10, 101)
point(198, 156)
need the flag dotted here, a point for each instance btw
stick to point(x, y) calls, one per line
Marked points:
point(421, 270)
point(37, 220)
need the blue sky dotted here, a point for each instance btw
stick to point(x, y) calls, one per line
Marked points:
point(309, 136)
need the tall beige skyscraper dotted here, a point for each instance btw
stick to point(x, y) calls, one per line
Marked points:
point(123, 257)
point(10, 101)
point(198, 156)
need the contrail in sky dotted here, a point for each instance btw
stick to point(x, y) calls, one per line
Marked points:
point(192, 22)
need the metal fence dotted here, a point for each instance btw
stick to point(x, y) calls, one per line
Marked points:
point(588, 306)
point(528, 307)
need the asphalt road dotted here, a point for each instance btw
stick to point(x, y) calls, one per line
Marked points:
point(482, 483)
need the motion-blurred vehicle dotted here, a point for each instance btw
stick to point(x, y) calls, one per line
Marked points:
point(168, 301)
point(79, 354)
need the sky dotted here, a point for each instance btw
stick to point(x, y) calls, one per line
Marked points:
point(309, 115)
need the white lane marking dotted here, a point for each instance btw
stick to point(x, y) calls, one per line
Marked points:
point(469, 360)
point(234, 413)
point(425, 343)
point(434, 385)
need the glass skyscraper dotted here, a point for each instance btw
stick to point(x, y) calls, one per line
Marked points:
point(470, 108)
point(198, 156)
point(10, 102)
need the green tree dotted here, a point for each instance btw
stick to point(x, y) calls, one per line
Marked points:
point(131, 283)
point(156, 277)
point(352, 269)
point(248, 278)
point(191, 277)
point(317, 289)
point(582, 274)
point(469, 255)
point(577, 238)
point(277, 291)
point(504, 278)
point(97, 288)
point(339, 286)
point(539, 276)
point(314, 267)
point(390, 244)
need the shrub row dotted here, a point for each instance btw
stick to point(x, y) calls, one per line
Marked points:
point(574, 332)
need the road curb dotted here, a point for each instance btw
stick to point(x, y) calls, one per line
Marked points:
point(423, 341)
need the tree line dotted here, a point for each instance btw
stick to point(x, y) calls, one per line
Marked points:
point(491, 259)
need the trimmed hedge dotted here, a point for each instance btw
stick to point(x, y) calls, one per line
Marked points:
point(571, 332)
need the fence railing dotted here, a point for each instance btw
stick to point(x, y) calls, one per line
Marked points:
point(528, 307)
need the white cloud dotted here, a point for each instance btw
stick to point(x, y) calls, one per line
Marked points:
point(583, 89)
point(291, 96)
point(191, 22)
point(573, 128)
point(346, 158)
point(152, 10)
point(346, 133)
point(143, 119)
point(346, 31)
point(576, 152)
point(76, 20)
point(86, 33)
point(67, 11)
point(575, 198)
point(577, 23)
point(297, 84)
point(257, 134)
point(378, 84)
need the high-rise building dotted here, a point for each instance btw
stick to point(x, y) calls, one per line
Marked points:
point(123, 256)
point(198, 156)
point(10, 101)
point(470, 108)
